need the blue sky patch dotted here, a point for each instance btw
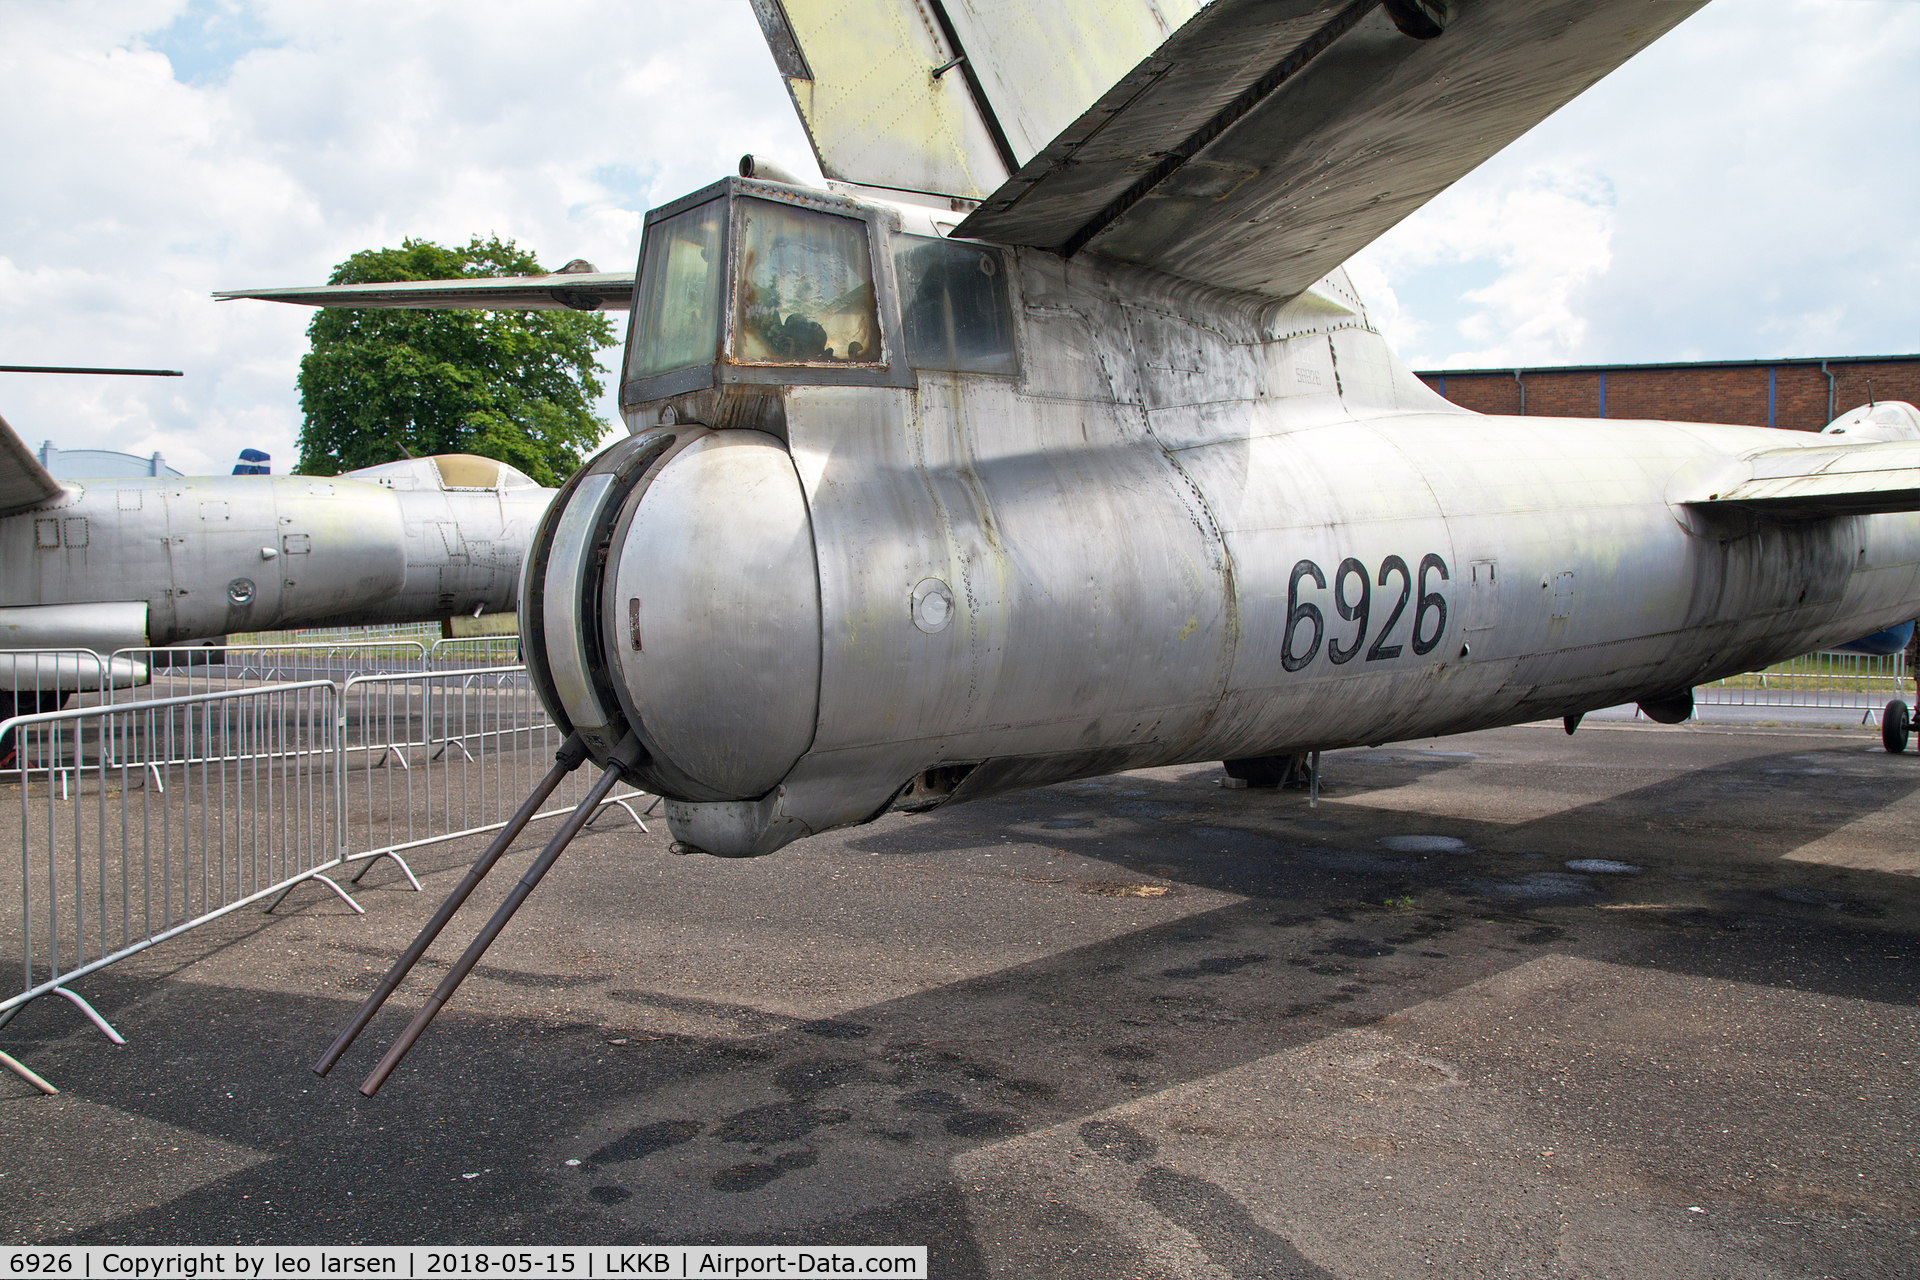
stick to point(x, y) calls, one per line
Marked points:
point(206, 40)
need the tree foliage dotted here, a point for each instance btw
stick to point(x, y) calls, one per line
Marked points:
point(518, 386)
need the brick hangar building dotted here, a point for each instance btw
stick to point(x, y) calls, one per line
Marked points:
point(1803, 395)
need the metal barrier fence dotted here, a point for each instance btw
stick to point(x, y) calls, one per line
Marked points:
point(1850, 682)
point(142, 673)
point(174, 672)
point(436, 755)
point(33, 680)
point(424, 632)
point(140, 819)
point(475, 651)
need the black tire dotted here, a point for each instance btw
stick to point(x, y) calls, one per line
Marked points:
point(1895, 725)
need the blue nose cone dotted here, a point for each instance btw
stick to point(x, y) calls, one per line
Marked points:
point(1880, 643)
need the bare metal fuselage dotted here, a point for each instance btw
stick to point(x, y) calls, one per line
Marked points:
point(1193, 527)
point(182, 558)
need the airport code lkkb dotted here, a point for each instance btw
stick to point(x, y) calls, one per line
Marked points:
point(426, 1262)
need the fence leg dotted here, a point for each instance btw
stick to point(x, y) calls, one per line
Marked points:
point(404, 869)
point(621, 801)
point(93, 1015)
point(280, 897)
point(159, 783)
point(25, 1073)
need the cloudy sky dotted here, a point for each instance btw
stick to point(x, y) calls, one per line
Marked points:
point(1748, 188)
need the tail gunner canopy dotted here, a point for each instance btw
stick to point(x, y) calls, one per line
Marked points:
point(750, 284)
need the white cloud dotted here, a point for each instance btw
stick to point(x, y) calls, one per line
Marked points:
point(1545, 236)
point(293, 133)
point(1743, 189)
point(1747, 186)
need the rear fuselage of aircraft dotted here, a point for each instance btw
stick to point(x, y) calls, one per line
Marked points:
point(1072, 517)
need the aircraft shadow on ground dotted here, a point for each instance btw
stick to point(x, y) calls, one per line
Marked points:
point(844, 1129)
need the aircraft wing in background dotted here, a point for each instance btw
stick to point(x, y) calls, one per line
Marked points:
point(23, 481)
point(560, 291)
point(1249, 144)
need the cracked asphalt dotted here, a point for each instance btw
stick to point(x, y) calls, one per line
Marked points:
point(1639, 1001)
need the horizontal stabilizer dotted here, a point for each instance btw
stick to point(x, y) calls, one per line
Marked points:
point(23, 481)
point(1265, 142)
point(561, 291)
point(1822, 482)
point(950, 97)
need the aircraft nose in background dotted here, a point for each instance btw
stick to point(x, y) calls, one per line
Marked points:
point(712, 613)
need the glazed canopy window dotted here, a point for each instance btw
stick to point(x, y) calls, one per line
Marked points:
point(953, 301)
point(805, 289)
point(679, 310)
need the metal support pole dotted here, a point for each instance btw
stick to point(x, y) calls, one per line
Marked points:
point(1313, 781)
point(25, 1073)
point(624, 757)
point(566, 760)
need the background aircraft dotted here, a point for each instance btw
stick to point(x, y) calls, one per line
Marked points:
point(128, 562)
point(1053, 441)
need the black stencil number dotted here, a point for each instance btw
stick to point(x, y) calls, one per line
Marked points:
point(1430, 601)
point(1297, 613)
point(1381, 649)
point(1429, 614)
point(1350, 568)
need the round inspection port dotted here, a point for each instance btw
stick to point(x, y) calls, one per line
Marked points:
point(931, 605)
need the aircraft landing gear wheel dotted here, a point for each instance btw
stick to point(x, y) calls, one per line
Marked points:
point(1894, 726)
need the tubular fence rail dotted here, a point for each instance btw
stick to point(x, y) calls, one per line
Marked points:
point(143, 812)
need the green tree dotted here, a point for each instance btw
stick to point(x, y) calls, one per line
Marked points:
point(518, 386)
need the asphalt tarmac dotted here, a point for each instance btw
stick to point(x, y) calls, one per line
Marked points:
point(1636, 1002)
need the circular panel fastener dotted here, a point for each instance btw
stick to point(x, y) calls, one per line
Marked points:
point(240, 590)
point(931, 606)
